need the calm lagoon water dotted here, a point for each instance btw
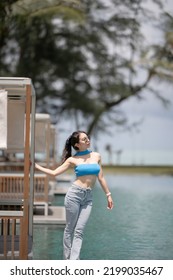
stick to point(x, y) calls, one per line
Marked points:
point(140, 227)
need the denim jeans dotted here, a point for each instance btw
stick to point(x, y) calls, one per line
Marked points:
point(78, 204)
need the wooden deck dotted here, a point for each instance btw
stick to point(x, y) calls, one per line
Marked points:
point(10, 245)
point(12, 219)
point(12, 188)
point(12, 235)
point(6, 245)
point(56, 215)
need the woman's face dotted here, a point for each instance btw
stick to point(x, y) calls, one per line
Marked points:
point(84, 141)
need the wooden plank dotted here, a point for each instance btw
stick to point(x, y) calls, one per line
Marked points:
point(12, 214)
point(16, 253)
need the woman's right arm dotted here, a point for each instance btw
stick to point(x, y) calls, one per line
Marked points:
point(59, 170)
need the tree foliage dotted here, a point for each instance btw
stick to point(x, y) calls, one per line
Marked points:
point(83, 69)
point(161, 56)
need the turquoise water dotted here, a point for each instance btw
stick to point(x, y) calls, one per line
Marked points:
point(140, 227)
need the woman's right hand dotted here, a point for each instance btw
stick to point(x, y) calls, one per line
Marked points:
point(110, 202)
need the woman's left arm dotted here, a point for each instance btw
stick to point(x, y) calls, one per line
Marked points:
point(105, 188)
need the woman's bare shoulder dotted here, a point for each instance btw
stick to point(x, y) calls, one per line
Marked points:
point(96, 154)
point(72, 160)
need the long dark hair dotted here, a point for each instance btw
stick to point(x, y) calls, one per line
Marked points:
point(71, 141)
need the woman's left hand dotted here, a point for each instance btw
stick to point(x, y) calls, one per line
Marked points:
point(110, 203)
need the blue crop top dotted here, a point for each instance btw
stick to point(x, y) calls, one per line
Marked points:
point(87, 169)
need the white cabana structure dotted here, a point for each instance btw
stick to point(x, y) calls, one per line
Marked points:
point(45, 139)
point(45, 153)
point(17, 122)
point(3, 118)
point(53, 145)
point(42, 137)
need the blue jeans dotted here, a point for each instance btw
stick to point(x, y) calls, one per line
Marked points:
point(78, 204)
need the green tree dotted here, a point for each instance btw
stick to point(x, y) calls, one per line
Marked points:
point(161, 57)
point(82, 69)
point(18, 20)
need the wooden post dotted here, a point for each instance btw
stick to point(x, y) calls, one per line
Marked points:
point(25, 231)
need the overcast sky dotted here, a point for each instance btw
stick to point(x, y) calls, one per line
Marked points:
point(152, 141)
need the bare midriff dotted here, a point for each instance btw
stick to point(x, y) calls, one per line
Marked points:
point(87, 181)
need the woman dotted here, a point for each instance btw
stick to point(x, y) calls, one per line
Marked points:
point(78, 200)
